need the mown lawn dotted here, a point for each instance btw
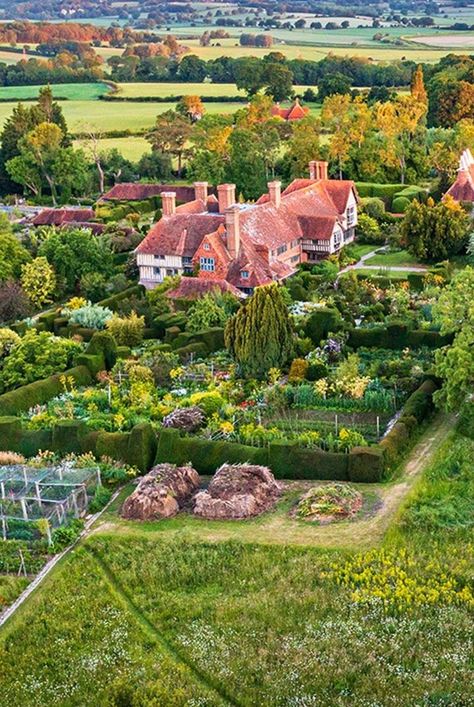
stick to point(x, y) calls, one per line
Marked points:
point(399, 258)
point(151, 619)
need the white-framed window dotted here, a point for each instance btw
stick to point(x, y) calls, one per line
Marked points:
point(207, 264)
point(281, 249)
point(171, 271)
point(159, 257)
point(350, 215)
point(157, 271)
point(207, 246)
point(244, 274)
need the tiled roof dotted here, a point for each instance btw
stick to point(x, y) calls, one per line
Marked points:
point(295, 112)
point(57, 217)
point(307, 209)
point(127, 191)
point(180, 234)
point(194, 287)
point(463, 187)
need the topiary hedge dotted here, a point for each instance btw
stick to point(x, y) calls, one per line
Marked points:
point(286, 460)
point(396, 336)
point(41, 391)
point(366, 464)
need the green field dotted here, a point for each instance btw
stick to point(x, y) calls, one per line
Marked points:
point(71, 91)
point(108, 116)
point(132, 148)
point(141, 615)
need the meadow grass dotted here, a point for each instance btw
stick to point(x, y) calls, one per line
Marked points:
point(71, 91)
point(142, 619)
point(132, 148)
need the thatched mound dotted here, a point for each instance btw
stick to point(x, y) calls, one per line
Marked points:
point(237, 491)
point(187, 419)
point(329, 503)
point(161, 493)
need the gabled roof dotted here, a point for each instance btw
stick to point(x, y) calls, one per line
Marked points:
point(463, 187)
point(58, 217)
point(295, 112)
point(180, 234)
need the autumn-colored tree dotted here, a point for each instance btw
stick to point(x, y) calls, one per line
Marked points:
point(191, 107)
point(259, 336)
point(450, 100)
point(398, 121)
point(417, 88)
point(349, 121)
point(303, 145)
point(38, 281)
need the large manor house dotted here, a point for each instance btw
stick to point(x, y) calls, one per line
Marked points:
point(246, 245)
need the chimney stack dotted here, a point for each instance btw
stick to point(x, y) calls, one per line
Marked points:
point(318, 169)
point(274, 190)
point(168, 202)
point(232, 226)
point(200, 191)
point(226, 196)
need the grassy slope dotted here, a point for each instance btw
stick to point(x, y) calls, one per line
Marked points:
point(132, 148)
point(149, 618)
point(71, 91)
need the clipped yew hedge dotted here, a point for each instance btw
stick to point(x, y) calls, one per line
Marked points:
point(396, 335)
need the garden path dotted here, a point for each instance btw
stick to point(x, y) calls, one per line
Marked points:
point(361, 264)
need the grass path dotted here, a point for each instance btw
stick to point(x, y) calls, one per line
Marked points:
point(154, 633)
point(278, 527)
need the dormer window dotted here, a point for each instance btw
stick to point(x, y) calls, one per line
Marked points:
point(244, 274)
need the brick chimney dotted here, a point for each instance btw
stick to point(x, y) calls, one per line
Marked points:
point(318, 169)
point(232, 226)
point(274, 190)
point(226, 196)
point(200, 191)
point(168, 202)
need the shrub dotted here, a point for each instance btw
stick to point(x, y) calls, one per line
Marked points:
point(102, 496)
point(298, 370)
point(209, 402)
point(36, 356)
point(400, 204)
point(465, 423)
point(93, 286)
point(374, 207)
point(104, 343)
point(322, 321)
point(8, 340)
point(92, 316)
point(368, 230)
point(127, 331)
